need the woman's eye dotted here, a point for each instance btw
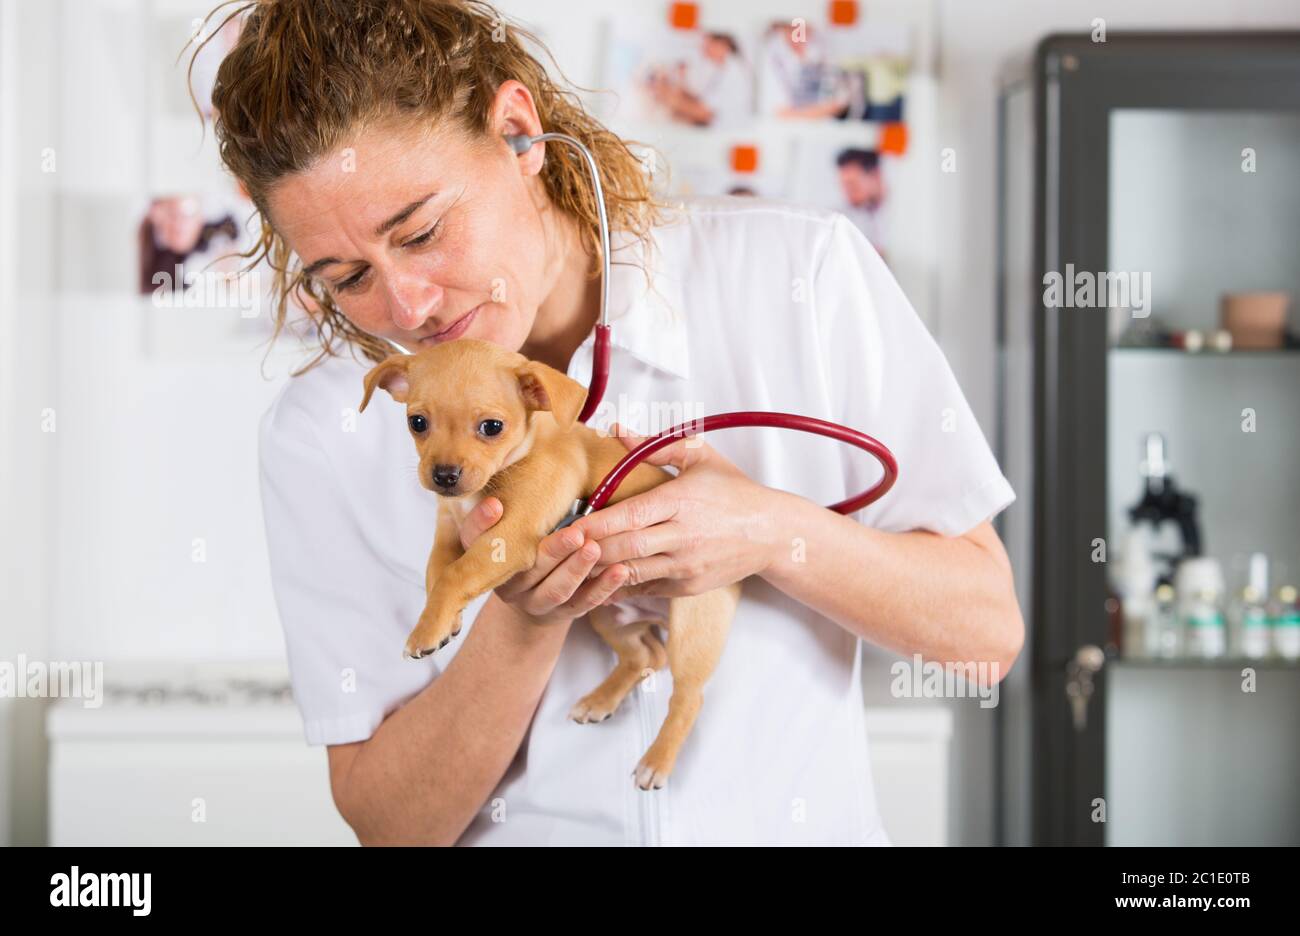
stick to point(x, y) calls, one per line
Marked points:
point(491, 427)
point(417, 423)
point(351, 283)
point(425, 237)
point(354, 282)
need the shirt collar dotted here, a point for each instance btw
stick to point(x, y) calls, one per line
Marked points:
point(645, 313)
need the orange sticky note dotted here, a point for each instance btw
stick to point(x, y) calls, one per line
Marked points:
point(843, 12)
point(684, 15)
point(893, 138)
point(744, 158)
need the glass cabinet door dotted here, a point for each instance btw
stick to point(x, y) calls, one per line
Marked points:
point(1202, 411)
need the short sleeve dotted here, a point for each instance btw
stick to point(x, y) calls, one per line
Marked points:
point(887, 377)
point(345, 611)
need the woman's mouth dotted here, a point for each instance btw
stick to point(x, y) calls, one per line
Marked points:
point(454, 330)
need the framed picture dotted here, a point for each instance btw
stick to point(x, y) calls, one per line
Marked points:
point(832, 72)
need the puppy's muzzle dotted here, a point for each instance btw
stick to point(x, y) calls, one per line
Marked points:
point(446, 477)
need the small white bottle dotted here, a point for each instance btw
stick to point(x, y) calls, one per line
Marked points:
point(1200, 594)
point(1166, 630)
point(1254, 635)
point(1135, 581)
point(1204, 625)
point(1286, 624)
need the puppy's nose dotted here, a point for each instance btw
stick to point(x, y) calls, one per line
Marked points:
point(446, 476)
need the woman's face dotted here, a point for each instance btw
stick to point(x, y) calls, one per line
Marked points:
point(422, 239)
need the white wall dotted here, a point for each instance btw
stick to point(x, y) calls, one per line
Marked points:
point(151, 448)
point(28, 38)
point(157, 517)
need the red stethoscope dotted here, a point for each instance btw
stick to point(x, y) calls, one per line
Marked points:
point(600, 378)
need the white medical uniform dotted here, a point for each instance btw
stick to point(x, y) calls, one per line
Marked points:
point(755, 305)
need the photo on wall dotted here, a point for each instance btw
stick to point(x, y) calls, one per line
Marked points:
point(840, 72)
point(202, 293)
point(183, 235)
point(850, 177)
point(701, 76)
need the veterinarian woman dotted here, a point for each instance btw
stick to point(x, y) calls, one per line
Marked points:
point(370, 136)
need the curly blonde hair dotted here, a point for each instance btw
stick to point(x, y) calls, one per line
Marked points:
point(304, 74)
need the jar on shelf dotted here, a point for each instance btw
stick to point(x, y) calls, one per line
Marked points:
point(1286, 624)
point(1199, 583)
point(1254, 636)
point(1165, 632)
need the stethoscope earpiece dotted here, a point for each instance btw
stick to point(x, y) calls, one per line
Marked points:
point(519, 142)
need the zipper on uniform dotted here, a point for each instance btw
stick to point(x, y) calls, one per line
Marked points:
point(648, 810)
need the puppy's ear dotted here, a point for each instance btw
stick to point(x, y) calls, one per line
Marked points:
point(391, 375)
point(545, 388)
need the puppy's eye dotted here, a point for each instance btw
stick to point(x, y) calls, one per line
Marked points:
point(491, 427)
point(417, 423)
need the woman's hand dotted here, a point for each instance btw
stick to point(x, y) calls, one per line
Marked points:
point(710, 526)
point(555, 589)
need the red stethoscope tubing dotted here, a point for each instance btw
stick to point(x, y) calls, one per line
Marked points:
point(599, 373)
point(601, 495)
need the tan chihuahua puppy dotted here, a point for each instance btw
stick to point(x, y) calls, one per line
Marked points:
point(487, 421)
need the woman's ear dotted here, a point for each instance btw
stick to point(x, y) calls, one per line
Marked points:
point(391, 375)
point(545, 388)
point(515, 114)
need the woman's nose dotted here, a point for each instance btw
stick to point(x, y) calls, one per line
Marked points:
point(412, 298)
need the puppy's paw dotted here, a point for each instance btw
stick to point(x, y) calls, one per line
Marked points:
point(594, 707)
point(430, 637)
point(651, 776)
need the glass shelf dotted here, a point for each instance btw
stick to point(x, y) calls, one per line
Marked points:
point(1215, 355)
point(1223, 663)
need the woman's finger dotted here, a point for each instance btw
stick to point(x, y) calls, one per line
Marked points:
point(641, 571)
point(638, 544)
point(680, 455)
point(635, 513)
point(479, 520)
point(597, 591)
point(560, 586)
point(628, 438)
point(665, 587)
point(551, 551)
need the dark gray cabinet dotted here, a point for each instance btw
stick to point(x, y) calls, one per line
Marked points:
point(1177, 158)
